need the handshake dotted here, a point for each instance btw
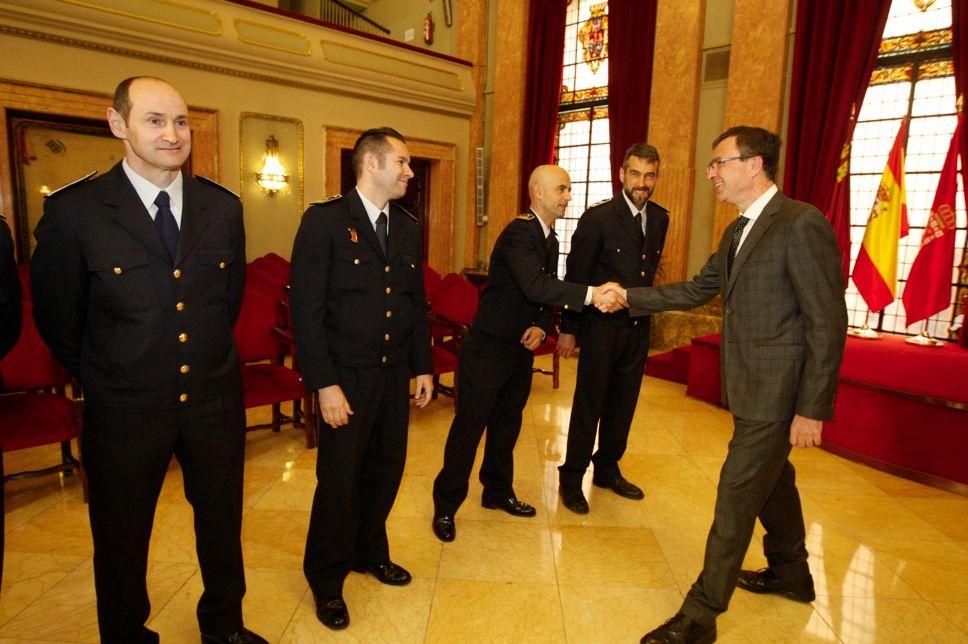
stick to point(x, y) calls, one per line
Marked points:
point(609, 297)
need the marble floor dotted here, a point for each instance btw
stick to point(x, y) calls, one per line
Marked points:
point(890, 557)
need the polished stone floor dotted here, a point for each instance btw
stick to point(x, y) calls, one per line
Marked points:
point(890, 557)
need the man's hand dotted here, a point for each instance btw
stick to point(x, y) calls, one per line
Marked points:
point(424, 389)
point(533, 336)
point(609, 297)
point(334, 407)
point(566, 345)
point(612, 287)
point(805, 432)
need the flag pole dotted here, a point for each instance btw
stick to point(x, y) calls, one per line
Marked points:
point(865, 332)
point(923, 339)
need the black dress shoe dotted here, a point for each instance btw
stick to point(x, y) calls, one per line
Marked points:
point(332, 612)
point(241, 636)
point(766, 582)
point(620, 486)
point(386, 572)
point(512, 506)
point(681, 630)
point(574, 500)
point(444, 527)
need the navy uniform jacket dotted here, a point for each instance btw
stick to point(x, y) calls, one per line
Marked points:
point(351, 305)
point(137, 329)
point(605, 248)
point(522, 284)
point(10, 315)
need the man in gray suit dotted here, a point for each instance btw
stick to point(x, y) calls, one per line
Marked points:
point(784, 326)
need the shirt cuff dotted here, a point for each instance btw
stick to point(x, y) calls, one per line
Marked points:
point(588, 296)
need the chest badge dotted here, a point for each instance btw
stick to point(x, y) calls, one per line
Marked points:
point(354, 236)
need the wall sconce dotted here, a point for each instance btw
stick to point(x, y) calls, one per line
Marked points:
point(272, 178)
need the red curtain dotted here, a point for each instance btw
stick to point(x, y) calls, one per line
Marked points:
point(834, 54)
point(631, 41)
point(546, 53)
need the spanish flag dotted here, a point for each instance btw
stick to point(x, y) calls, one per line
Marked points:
point(875, 271)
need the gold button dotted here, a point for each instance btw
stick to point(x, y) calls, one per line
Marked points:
point(117, 270)
point(389, 314)
point(356, 261)
point(412, 266)
point(566, 306)
point(221, 264)
point(643, 256)
point(386, 337)
point(383, 359)
point(183, 398)
point(388, 290)
point(643, 273)
point(184, 368)
point(183, 337)
point(176, 273)
point(180, 306)
point(386, 269)
point(618, 250)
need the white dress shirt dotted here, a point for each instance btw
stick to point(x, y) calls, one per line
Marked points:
point(754, 211)
point(148, 192)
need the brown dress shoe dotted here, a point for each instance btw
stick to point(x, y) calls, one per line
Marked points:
point(620, 486)
point(444, 527)
point(332, 612)
point(766, 582)
point(681, 630)
point(386, 572)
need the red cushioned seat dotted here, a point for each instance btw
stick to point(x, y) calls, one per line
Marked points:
point(266, 384)
point(32, 419)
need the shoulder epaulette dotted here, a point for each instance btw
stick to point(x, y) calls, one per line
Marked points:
point(76, 182)
point(325, 200)
point(216, 184)
point(407, 213)
point(661, 208)
point(600, 203)
point(525, 216)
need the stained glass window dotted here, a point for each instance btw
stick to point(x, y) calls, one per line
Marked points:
point(914, 78)
point(582, 141)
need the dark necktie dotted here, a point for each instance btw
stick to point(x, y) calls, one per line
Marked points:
point(165, 223)
point(638, 227)
point(552, 266)
point(381, 231)
point(734, 242)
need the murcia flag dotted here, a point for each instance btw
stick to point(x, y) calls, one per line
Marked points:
point(875, 271)
point(928, 288)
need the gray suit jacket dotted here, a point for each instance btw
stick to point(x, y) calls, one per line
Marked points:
point(784, 316)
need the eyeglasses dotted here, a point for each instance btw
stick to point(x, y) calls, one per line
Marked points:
point(719, 161)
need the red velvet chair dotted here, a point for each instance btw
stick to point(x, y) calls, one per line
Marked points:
point(550, 345)
point(266, 380)
point(431, 280)
point(452, 309)
point(34, 408)
point(275, 265)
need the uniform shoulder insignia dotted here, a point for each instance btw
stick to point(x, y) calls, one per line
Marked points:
point(76, 182)
point(320, 202)
point(216, 184)
point(600, 203)
point(527, 216)
point(407, 213)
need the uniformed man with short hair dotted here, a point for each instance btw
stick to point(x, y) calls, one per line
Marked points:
point(618, 240)
point(137, 283)
point(360, 321)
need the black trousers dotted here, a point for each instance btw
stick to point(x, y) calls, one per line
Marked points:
point(358, 471)
point(493, 385)
point(126, 455)
point(757, 481)
point(610, 369)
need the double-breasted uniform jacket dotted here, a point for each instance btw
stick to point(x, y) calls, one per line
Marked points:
point(10, 313)
point(522, 283)
point(607, 246)
point(352, 306)
point(784, 315)
point(139, 329)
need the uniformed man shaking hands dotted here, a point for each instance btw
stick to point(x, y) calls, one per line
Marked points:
point(360, 322)
point(137, 282)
